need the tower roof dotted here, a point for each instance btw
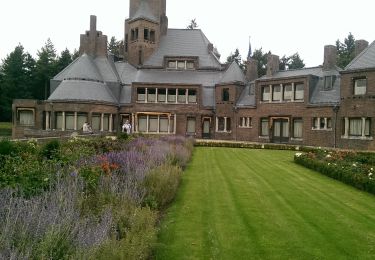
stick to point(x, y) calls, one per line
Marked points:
point(144, 12)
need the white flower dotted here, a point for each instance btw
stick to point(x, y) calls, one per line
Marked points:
point(370, 174)
point(298, 154)
point(329, 164)
point(372, 169)
point(354, 165)
point(328, 156)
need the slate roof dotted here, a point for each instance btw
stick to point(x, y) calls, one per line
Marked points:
point(233, 74)
point(365, 60)
point(83, 67)
point(80, 90)
point(247, 98)
point(144, 12)
point(184, 42)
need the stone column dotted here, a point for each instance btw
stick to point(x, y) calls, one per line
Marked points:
point(110, 123)
point(346, 134)
point(102, 123)
point(75, 121)
point(47, 120)
point(63, 121)
point(175, 123)
point(225, 124)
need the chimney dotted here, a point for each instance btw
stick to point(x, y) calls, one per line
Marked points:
point(251, 69)
point(93, 42)
point(330, 57)
point(273, 63)
point(360, 45)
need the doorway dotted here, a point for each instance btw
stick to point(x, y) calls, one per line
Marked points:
point(206, 131)
point(280, 133)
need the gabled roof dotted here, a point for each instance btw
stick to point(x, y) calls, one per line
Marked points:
point(184, 43)
point(365, 60)
point(144, 12)
point(82, 90)
point(233, 74)
point(83, 67)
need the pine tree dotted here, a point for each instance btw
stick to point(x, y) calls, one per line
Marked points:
point(17, 71)
point(236, 57)
point(345, 51)
point(63, 60)
point(262, 61)
point(46, 68)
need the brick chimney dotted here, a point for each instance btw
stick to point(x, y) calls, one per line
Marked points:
point(360, 45)
point(251, 69)
point(93, 42)
point(273, 63)
point(330, 57)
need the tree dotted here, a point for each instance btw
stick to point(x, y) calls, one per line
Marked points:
point(116, 47)
point(17, 72)
point(63, 60)
point(291, 62)
point(46, 68)
point(262, 61)
point(236, 57)
point(193, 25)
point(345, 51)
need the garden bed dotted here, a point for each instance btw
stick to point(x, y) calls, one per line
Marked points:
point(86, 198)
point(353, 168)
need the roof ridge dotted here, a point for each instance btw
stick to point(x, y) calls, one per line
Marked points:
point(359, 56)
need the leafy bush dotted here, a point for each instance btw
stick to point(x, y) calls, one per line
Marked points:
point(355, 169)
point(51, 149)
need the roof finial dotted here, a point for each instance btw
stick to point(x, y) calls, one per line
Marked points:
point(249, 52)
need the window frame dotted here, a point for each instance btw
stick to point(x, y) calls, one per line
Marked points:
point(355, 87)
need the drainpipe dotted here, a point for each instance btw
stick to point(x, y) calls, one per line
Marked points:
point(335, 109)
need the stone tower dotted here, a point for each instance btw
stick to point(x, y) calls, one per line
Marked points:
point(147, 22)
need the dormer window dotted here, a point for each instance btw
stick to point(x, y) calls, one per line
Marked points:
point(181, 64)
point(328, 82)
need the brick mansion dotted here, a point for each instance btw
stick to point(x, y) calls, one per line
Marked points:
point(171, 82)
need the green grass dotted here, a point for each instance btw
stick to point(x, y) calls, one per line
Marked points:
point(258, 204)
point(5, 129)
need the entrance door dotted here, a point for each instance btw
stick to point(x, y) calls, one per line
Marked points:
point(206, 128)
point(280, 131)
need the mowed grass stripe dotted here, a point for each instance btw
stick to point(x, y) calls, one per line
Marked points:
point(258, 204)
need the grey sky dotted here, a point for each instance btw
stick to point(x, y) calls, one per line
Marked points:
point(284, 27)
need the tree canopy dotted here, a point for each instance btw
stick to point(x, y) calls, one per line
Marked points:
point(193, 25)
point(291, 62)
point(345, 51)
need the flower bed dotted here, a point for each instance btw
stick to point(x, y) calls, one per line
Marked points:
point(353, 168)
point(86, 198)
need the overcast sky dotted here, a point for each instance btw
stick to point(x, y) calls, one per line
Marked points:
point(281, 26)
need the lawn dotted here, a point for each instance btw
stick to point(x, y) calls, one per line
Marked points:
point(258, 204)
point(5, 129)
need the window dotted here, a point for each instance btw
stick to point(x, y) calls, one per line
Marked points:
point(288, 92)
point(172, 95)
point(322, 123)
point(95, 121)
point(26, 117)
point(81, 119)
point(245, 122)
point(276, 95)
point(151, 95)
point(360, 86)
point(225, 96)
point(153, 124)
point(266, 93)
point(299, 92)
point(181, 65)
point(162, 95)
point(190, 65)
point(69, 121)
point(106, 122)
point(355, 126)
point(59, 120)
point(190, 129)
point(264, 127)
point(163, 122)
point(192, 96)
point(223, 124)
point(142, 124)
point(181, 96)
point(328, 82)
point(134, 34)
point(172, 64)
point(141, 94)
point(297, 127)
point(146, 34)
point(152, 36)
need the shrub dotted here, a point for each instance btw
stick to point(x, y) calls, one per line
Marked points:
point(161, 185)
point(348, 167)
point(6, 147)
point(51, 149)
